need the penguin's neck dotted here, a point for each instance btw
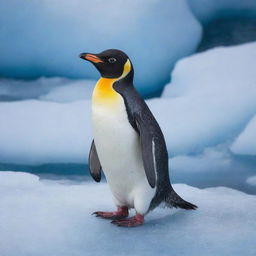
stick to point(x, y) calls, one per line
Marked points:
point(104, 93)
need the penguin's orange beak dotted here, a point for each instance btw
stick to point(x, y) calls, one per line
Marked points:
point(90, 57)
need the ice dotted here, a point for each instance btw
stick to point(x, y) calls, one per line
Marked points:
point(36, 132)
point(209, 9)
point(201, 89)
point(245, 143)
point(58, 136)
point(40, 218)
point(11, 89)
point(211, 160)
point(210, 100)
point(71, 91)
point(213, 167)
point(47, 36)
point(56, 89)
point(251, 181)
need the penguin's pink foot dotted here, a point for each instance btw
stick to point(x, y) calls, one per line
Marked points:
point(121, 213)
point(135, 221)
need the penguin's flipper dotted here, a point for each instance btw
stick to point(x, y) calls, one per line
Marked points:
point(148, 150)
point(94, 163)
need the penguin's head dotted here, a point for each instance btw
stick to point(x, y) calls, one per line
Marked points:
point(110, 63)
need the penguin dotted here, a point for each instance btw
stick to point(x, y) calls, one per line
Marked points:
point(128, 144)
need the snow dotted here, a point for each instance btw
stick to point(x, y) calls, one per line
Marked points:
point(210, 100)
point(47, 36)
point(245, 143)
point(41, 218)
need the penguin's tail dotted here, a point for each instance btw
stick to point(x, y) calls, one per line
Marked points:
point(172, 199)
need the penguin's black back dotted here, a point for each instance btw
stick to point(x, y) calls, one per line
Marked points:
point(136, 106)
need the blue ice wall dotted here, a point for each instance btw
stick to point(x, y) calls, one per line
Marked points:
point(44, 38)
point(207, 10)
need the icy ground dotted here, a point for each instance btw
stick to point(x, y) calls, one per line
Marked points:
point(53, 218)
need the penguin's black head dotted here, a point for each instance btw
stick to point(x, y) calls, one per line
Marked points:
point(110, 63)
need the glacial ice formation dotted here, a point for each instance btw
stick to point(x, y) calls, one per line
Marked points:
point(45, 38)
point(245, 143)
point(210, 101)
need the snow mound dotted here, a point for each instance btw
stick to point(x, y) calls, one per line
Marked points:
point(210, 99)
point(245, 143)
point(46, 37)
point(39, 219)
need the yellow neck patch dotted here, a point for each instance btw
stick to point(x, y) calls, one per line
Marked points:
point(104, 93)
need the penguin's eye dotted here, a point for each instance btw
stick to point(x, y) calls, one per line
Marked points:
point(111, 60)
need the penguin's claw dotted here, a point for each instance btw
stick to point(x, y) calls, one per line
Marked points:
point(121, 213)
point(109, 215)
point(135, 221)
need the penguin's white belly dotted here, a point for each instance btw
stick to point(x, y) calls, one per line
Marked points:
point(119, 151)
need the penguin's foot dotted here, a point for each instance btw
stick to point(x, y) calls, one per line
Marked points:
point(121, 213)
point(135, 221)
